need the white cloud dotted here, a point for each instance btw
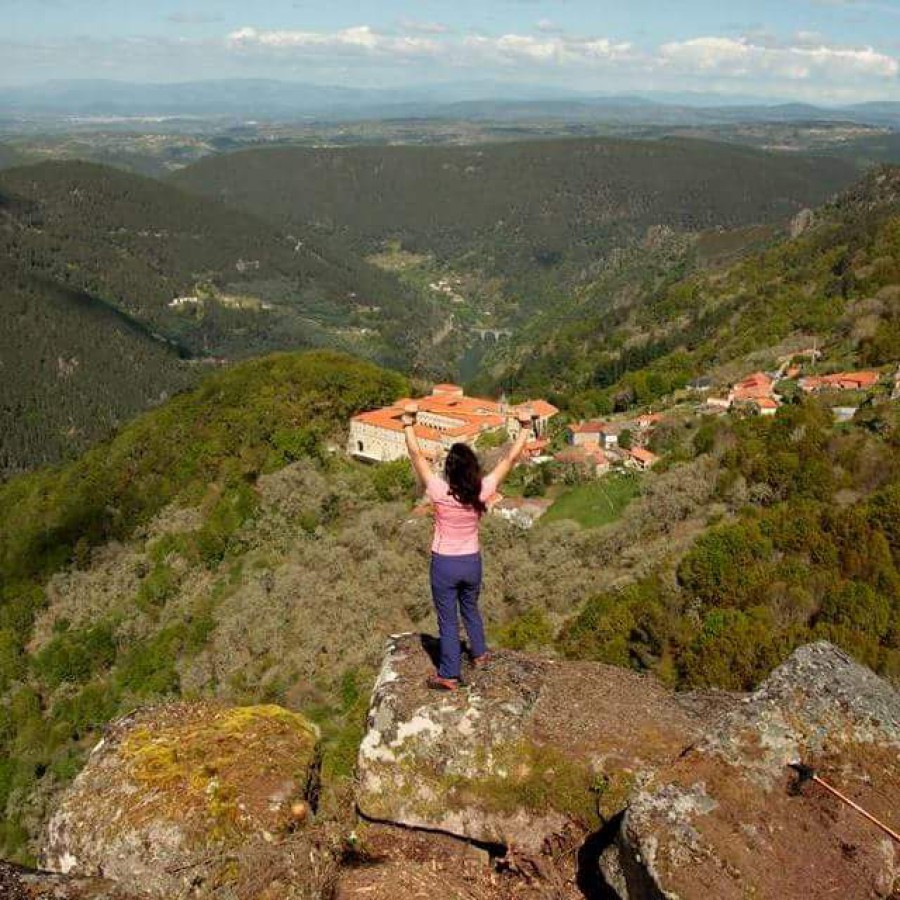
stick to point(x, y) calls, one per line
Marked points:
point(758, 59)
point(360, 39)
point(741, 58)
point(474, 49)
point(558, 49)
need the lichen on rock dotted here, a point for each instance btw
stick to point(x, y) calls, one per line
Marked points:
point(530, 747)
point(725, 819)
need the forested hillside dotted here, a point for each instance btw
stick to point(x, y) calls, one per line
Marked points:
point(93, 261)
point(518, 209)
point(644, 329)
point(138, 244)
point(73, 368)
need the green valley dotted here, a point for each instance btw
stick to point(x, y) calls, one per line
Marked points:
point(129, 267)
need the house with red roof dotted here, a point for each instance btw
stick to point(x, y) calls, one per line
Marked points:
point(589, 455)
point(445, 417)
point(755, 392)
point(606, 434)
point(841, 381)
point(754, 387)
point(589, 432)
point(641, 458)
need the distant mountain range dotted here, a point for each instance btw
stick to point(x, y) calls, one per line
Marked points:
point(270, 99)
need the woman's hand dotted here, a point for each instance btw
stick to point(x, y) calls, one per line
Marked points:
point(410, 413)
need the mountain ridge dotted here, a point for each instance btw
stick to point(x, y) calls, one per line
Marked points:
point(272, 97)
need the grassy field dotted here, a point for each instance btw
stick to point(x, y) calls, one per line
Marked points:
point(595, 504)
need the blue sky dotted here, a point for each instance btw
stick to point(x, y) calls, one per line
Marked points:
point(821, 50)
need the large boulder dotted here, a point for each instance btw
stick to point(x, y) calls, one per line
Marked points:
point(726, 819)
point(529, 748)
point(171, 794)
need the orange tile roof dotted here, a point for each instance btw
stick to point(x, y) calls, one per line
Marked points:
point(539, 407)
point(644, 456)
point(755, 378)
point(449, 405)
point(841, 381)
point(582, 454)
point(389, 419)
point(753, 386)
point(467, 416)
point(594, 427)
point(535, 447)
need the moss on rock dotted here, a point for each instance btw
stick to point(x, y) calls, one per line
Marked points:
point(173, 792)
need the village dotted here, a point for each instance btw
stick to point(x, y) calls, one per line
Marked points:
point(564, 455)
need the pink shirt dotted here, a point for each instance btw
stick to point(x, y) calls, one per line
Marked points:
point(455, 525)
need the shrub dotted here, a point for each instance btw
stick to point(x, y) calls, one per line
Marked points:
point(148, 667)
point(734, 650)
point(75, 656)
point(13, 664)
point(529, 631)
point(230, 511)
point(857, 606)
point(722, 567)
point(156, 588)
point(394, 480)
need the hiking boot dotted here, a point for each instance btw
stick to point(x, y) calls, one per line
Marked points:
point(437, 683)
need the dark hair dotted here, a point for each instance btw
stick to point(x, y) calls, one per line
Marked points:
point(463, 473)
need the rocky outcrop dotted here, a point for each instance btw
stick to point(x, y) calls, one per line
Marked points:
point(529, 748)
point(802, 222)
point(22, 884)
point(674, 795)
point(571, 780)
point(724, 820)
point(170, 795)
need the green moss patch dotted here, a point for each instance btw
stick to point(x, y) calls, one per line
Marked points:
point(533, 777)
point(222, 764)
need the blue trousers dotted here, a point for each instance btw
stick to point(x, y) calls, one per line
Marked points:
point(455, 585)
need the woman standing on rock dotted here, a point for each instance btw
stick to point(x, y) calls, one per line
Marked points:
point(459, 500)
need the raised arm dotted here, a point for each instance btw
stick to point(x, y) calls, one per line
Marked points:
point(420, 464)
point(502, 469)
